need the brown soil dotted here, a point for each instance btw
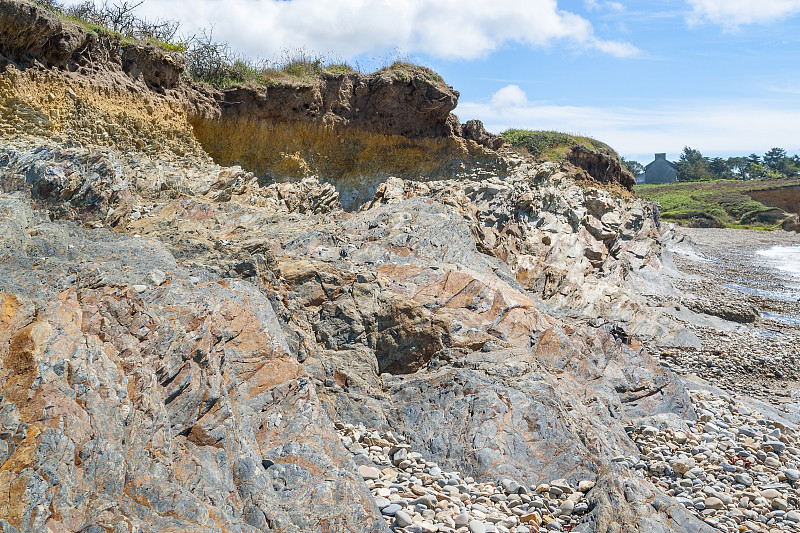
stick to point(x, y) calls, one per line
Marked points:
point(786, 198)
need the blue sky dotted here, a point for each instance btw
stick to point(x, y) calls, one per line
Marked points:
point(722, 76)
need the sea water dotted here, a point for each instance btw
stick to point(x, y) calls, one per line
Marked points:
point(785, 259)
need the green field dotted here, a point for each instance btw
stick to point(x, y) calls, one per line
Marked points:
point(722, 203)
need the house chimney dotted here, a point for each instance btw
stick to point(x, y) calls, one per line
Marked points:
point(661, 156)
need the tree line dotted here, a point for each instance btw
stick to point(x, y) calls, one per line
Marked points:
point(693, 165)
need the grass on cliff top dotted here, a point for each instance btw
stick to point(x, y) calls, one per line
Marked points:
point(552, 145)
point(213, 62)
point(408, 72)
point(717, 203)
point(117, 20)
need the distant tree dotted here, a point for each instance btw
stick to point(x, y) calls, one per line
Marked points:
point(776, 160)
point(635, 167)
point(719, 168)
point(692, 165)
point(754, 158)
point(779, 162)
point(755, 171)
point(773, 157)
point(738, 165)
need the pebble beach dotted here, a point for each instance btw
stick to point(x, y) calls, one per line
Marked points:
point(736, 468)
point(757, 357)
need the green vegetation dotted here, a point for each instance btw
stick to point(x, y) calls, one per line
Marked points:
point(775, 164)
point(717, 203)
point(108, 20)
point(339, 69)
point(551, 145)
point(408, 72)
point(213, 62)
point(634, 167)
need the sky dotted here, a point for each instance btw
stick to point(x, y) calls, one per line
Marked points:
point(720, 76)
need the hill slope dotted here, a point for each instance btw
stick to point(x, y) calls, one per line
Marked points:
point(757, 204)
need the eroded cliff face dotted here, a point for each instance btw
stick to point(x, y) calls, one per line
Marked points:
point(178, 335)
point(786, 198)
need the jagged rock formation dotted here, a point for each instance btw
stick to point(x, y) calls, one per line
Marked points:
point(183, 369)
point(603, 166)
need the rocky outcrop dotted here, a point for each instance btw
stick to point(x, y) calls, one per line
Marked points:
point(158, 68)
point(182, 408)
point(390, 317)
point(740, 312)
point(402, 111)
point(474, 131)
point(354, 129)
point(408, 101)
point(188, 368)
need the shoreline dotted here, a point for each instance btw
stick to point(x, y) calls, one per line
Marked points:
point(757, 358)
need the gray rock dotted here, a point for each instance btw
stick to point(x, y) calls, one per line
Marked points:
point(776, 446)
point(402, 519)
point(509, 485)
point(476, 526)
point(461, 519)
point(157, 277)
point(713, 503)
point(391, 509)
point(567, 507)
point(369, 472)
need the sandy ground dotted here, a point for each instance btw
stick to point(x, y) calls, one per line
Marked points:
point(760, 359)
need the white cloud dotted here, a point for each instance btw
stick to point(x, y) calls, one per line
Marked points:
point(449, 29)
point(597, 4)
point(711, 127)
point(738, 12)
point(508, 96)
point(617, 48)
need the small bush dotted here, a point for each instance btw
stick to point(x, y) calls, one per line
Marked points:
point(214, 63)
point(551, 145)
point(409, 72)
point(339, 68)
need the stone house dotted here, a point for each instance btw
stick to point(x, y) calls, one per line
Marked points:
point(659, 171)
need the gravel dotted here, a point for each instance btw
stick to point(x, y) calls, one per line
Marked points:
point(416, 495)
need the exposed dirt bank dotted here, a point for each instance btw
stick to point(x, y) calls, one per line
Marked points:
point(787, 198)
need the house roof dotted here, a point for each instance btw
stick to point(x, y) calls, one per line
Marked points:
point(670, 163)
